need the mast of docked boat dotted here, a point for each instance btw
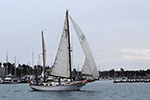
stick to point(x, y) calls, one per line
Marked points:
point(6, 71)
point(15, 65)
point(69, 46)
point(43, 53)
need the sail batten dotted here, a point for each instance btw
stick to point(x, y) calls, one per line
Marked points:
point(89, 63)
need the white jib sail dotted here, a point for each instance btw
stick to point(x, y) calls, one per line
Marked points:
point(61, 63)
point(87, 52)
point(86, 68)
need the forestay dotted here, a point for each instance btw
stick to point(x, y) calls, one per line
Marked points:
point(61, 63)
point(89, 62)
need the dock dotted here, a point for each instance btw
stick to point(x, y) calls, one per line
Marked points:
point(132, 81)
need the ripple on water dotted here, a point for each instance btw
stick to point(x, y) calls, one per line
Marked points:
point(92, 91)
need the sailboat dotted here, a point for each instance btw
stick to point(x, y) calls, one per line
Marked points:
point(62, 66)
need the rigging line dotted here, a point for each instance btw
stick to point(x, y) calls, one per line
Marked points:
point(72, 45)
point(54, 46)
point(52, 28)
point(51, 25)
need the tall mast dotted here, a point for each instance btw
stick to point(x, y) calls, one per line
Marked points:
point(15, 65)
point(39, 60)
point(69, 47)
point(43, 53)
point(32, 59)
point(7, 56)
point(6, 72)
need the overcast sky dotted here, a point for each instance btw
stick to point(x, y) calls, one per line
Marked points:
point(118, 31)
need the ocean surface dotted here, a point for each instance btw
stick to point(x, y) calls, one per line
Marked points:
point(99, 90)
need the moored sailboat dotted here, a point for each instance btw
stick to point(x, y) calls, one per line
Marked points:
point(62, 66)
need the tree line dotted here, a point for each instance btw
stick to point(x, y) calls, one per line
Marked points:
point(20, 70)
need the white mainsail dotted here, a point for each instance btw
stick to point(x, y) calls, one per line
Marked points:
point(89, 62)
point(61, 64)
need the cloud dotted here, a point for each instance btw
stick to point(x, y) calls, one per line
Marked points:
point(136, 51)
point(108, 55)
point(128, 58)
point(136, 57)
point(136, 54)
point(123, 55)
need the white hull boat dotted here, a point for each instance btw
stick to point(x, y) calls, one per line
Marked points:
point(74, 86)
point(10, 79)
point(62, 66)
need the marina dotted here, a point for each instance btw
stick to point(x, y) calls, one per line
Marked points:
point(132, 81)
point(74, 50)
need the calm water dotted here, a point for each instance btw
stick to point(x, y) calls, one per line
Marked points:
point(99, 90)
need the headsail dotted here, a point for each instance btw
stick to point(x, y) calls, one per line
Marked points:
point(61, 64)
point(89, 62)
point(86, 68)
